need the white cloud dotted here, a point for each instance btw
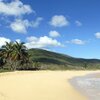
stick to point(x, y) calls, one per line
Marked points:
point(21, 26)
point(59, 21)
point(78, 23)
point(77, 41)
point(54, 34)
point(36, 23)
point(14, 8)
point(97, 35)
point(42, 42)
point(17, 8)
point(34, 42)
point(3, 41)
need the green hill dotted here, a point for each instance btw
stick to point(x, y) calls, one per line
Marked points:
point(52, 60)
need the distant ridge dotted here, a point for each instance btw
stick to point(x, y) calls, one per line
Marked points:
point(53, 60)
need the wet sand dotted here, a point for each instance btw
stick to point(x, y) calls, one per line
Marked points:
point(89, 85)
point(40, 85)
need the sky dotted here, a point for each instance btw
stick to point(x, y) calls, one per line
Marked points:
point(70, 27)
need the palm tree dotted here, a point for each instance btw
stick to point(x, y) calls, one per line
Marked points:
point(20, 53)
point(6, 50)
point(15, 55)
point(6, 53)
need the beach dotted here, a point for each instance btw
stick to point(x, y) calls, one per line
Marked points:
point(40, 85)
point(89, 85)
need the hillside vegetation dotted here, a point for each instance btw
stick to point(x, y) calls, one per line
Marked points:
point(52, 60)
point(15, 56)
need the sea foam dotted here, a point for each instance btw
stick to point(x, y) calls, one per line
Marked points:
point(88, 85)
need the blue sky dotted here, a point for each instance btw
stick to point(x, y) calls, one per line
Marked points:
point(66, 26)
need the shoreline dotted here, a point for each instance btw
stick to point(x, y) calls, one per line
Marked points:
point(40, 85)
point(88, 85)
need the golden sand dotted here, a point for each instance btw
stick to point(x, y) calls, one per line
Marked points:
point(39, 85)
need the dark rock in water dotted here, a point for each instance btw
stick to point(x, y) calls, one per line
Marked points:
point(88, 85)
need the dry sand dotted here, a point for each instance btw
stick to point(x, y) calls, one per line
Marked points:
point(39, 85)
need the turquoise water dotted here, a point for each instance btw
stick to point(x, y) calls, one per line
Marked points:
point(88, 85)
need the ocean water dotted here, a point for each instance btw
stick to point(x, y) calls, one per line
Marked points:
point(88, 85)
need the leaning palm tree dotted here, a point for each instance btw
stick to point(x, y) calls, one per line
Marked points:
point(7, 53)
point(6, 50)
point(2, 60)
